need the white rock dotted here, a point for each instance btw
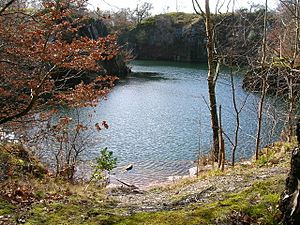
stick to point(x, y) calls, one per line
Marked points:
point(113, 186)
point(246, 163)
point(173, 178)
point(193, 171)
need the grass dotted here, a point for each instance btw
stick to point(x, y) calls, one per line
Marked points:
point(5, 208)
point(257, 204)
point(276, 153)
point(184, 182)
point(176, 17)
point(60, 202)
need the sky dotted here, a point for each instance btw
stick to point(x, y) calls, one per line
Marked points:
point(163, 6)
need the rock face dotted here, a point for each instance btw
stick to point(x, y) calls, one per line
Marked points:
point(96, 28)
point(172, 36)
point(182, 37)
point(289, 204)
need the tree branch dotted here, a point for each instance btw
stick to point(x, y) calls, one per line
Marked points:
point(8, 62)
point(201, 12)
point(6, 6)
point(35, 94)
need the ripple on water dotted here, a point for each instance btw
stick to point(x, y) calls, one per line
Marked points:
point(145, 173)
point(158, 124)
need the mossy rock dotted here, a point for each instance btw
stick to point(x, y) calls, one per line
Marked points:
point(16, 160)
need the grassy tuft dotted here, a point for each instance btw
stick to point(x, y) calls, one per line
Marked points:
point(5, 208)
point(276, 153)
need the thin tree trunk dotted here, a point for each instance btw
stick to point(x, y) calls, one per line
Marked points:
point(237, 128)
point(260, 116)
point(212, 76)
point(291, 98)
point(6, 6)
point(264, 84)
point(297, 14)
point(264, 43)
point(221, 142)
point(35, 95)
point(211, 79)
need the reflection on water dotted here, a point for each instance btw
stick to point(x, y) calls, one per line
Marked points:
point(159, 121)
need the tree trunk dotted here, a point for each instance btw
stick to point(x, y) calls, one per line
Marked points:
point(211, 79)
point(264, 85)
point(237, 120)
point(214, 120)
point(260, 116)
point(289, 204)
point(291, 109)
point(221, 142)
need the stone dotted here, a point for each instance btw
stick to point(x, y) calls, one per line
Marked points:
point(174, 178)
point(246, 163)
point(128, 167)
point(193, 171)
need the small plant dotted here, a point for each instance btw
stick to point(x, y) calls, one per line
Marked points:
point(105, 163)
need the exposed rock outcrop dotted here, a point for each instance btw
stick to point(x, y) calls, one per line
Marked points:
point(93, 29)
point(182, 37)
point(173, 36)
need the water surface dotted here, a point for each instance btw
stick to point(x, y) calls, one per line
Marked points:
point(159, 121)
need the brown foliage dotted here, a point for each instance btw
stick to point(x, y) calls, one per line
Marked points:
point(35, 45)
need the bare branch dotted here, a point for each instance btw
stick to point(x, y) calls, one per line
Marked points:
point(6, 6)
point(8, 62)
point(35, 94)
point(200, 12)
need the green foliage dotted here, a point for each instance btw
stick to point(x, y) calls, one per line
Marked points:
point(176, 17)
point(264, 159)
point(5, 208)
point(40, 194)
point(185, 18)
point(275, 153)
point(281, 62)
point(149, 21)
point(72, 213)
point(105, 162)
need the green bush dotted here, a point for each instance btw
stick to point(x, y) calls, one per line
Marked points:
point(105, 162)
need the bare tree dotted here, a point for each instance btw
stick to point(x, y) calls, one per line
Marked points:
point(68, 139)
point(287, 60)
point(260, 111)
point(237, 111)
point(291, 79)
point(142, 11)
point(263, 77)
point(213, 71)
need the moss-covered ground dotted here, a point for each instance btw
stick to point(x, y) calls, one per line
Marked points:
point(255, 205)
point(30, 200)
